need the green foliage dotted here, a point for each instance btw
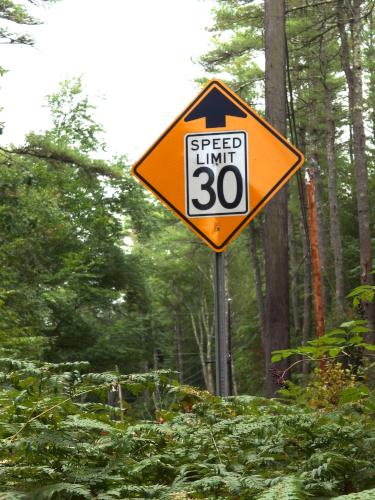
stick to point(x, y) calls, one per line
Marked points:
point(73, 122)
point(69, 291)
point(343, 341)
point(340, 363)
point(17, 14)
point(237, 32)
point(288, 488)
point(329, 387)
point(58, 441)
point(61, 490)
point(363, 495)
point(363, 293)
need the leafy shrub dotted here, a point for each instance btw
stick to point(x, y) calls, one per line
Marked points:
point(342, 361)
point(57, 445)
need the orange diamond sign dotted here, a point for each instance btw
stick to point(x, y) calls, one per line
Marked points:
point(217, 165)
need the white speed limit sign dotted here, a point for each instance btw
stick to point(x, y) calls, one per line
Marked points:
point(216, 174)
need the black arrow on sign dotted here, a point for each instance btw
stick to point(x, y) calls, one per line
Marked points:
point(215, 107)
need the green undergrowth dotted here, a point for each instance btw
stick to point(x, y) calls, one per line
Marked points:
point(60, 440)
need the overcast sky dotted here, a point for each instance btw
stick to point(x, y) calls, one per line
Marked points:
point(136, 58)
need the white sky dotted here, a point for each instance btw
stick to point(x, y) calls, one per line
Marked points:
point(136, 58)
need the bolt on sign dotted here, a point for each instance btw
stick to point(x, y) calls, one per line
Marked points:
point(217, 165)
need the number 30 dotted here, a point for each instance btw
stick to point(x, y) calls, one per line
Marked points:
point(207, 186)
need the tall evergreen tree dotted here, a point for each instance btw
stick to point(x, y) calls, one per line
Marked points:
point(276, 222)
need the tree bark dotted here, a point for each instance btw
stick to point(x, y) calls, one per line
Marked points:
point(371, 67)
point(315, 259)
point(203, 333)
point(200, 344)
point(307, 293)
point(294, 276)
point(208, 328)
point(319, 198)
point(253, 233)
point(307, 283)
point(229, 322)
point(352, 67)
point(334, 219)
point(178, 341)
point(276, 220)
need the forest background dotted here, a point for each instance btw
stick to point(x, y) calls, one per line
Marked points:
point(92, 269)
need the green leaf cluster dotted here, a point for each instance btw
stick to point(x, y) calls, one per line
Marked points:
point(342, 341)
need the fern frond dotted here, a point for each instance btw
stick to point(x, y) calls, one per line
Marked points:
point(12, 495)
point(88, 424)
point(288, 488)
point(330, 464)
point(61, 490)
point(363, 495)
point(112, 494)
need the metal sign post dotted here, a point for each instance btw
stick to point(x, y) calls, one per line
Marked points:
point(221, 328)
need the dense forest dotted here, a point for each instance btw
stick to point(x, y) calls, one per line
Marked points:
point(107, 345)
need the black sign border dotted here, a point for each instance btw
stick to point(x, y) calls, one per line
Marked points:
point(264, 199)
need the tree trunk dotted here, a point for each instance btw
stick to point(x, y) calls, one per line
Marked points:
point(371, 68)
point(200, 345)
point(253, 233)
point(353, 73)
point(315, 259)
point(294, 276)
point(319, 197)
point(307, 284)
point(276, 222)
point(307, 293)
point(155, 357)
point(334, 219)
point(203, 333)
point(208, 329)
point(229, 322)
point(232, 371)
point(351, 154)
point(178, 341)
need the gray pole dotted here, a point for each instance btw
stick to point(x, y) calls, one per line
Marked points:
point(221, 328)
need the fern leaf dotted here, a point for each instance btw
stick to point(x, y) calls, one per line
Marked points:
point(288, 488)
point(363, 495)
point(112, 494)
point(12, 495)
point(88, 424)
point(61, 490)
